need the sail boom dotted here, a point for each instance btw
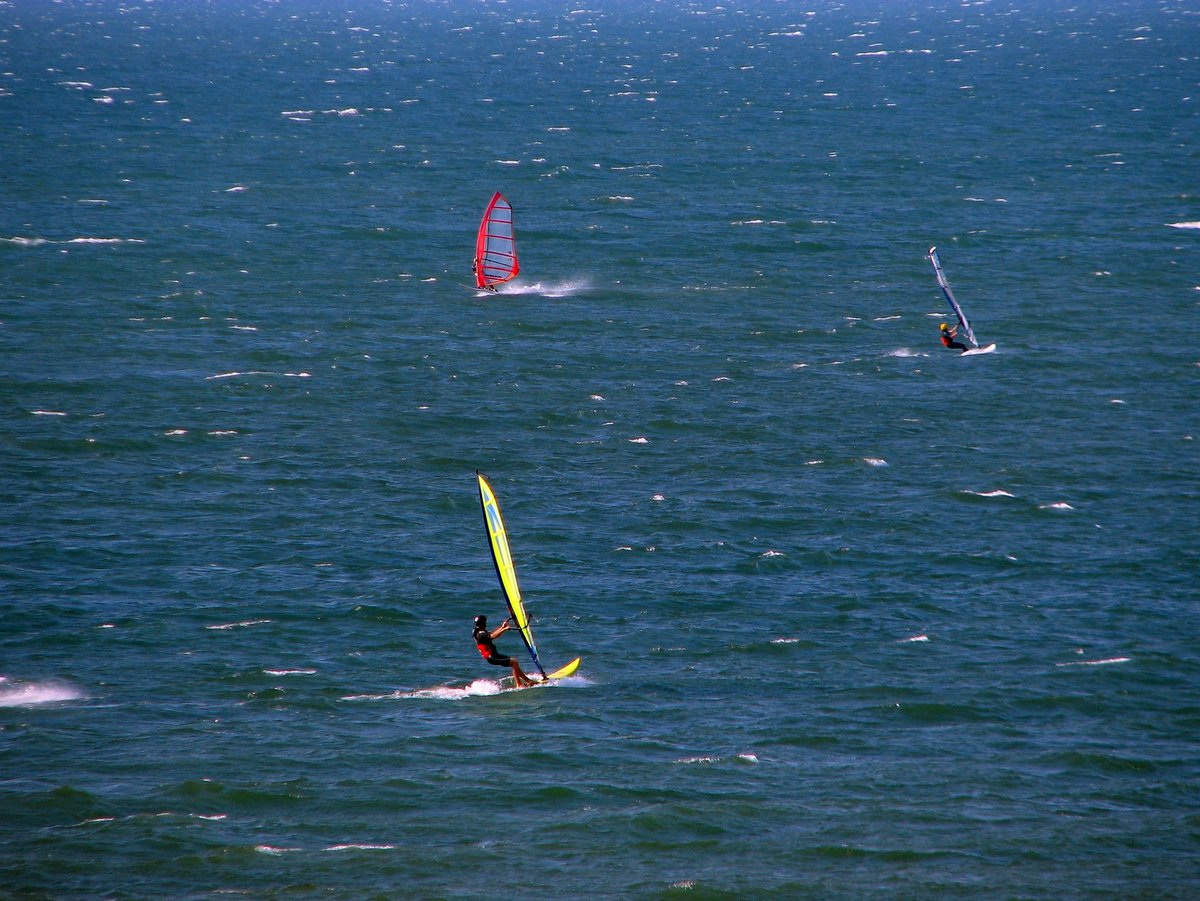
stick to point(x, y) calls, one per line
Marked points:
point(963, 324)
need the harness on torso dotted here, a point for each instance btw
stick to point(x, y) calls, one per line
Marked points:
point(483, 641)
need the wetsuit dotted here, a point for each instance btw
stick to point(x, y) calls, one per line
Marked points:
point(948, 340)
point(487, 647)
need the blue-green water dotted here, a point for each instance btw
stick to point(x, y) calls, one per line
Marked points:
point(859, 618)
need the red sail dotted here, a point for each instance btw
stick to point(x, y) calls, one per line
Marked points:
point(496, 245)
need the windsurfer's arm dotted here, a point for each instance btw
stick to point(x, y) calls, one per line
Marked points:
point(504, 628)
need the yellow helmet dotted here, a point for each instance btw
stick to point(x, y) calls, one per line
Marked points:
point(944, 326)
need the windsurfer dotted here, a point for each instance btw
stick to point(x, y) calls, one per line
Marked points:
point(485, 642)
point(948, 336)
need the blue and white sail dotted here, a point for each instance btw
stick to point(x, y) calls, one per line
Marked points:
point(963, 325)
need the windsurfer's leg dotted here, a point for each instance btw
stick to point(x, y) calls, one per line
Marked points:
point(522, 680)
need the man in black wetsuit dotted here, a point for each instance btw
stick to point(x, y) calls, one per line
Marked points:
point(948, 336)
point(485, 642)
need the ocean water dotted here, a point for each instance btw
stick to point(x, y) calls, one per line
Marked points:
point(859, 618)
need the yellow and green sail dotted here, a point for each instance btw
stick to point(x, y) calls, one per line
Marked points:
point(506, 570)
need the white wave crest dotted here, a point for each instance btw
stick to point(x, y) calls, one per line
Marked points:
point(356, 846)
point(242, 625)
point(1105, 662)
point(31, 694)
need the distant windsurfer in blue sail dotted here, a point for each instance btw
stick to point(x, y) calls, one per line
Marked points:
point(948, 336)
point(485, 641)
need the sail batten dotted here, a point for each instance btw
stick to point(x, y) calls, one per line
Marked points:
point(506, 569)
point(496, 245)
point(963, 324)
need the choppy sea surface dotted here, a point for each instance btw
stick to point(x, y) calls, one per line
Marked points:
point(859, 617)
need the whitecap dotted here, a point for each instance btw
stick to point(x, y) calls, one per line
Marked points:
point(273, 850)
point(355, 846)
point(786, 640)
point(47, 413)
point(34, 693)
point(639, 440)
point(1183, 225)
point(105, 241)
point(241, 625)
point(1104, 662)
point(921, 637)
point(1058, 505)
point(290, 672)
point(766, 554)
point(875, 461)
point(999, 492)
point(232, 375)
point(657, 497)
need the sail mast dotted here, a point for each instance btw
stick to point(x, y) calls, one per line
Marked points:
point(945, 286)
point(506, 570)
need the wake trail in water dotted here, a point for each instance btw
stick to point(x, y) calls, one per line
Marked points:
point(566, 288)
point(480, 688)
